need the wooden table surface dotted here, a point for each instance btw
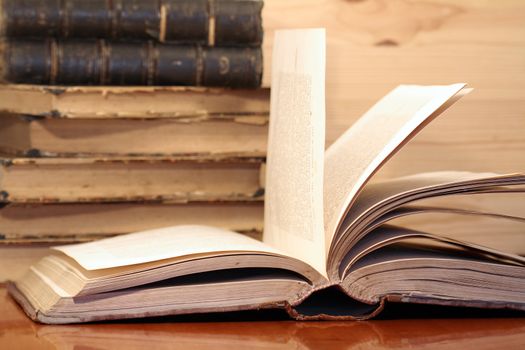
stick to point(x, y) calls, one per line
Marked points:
point(19, 332)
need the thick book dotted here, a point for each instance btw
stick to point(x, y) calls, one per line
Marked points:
point(209, 22)
point(121, 179)
point(145, 102)
point(226, 135)
point(82, 222)
point(100, 62)
point(328, 250)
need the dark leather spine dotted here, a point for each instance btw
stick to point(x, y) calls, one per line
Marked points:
point(238, 22)
point(206, 22)
point(77, 62)
point(232, 67)
point(185, 21)
point(99, 62)
point(127, 64)
point(31, 18)
point(85, 19)
point(136, 19)
point(175, 65)
point(27, 61)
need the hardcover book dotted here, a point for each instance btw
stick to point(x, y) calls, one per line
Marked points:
point(329, 250)
point(99, 62)
point(216, 135)
point(121, 179)
point(208, 22)
point(92, 102)
point(81, 222)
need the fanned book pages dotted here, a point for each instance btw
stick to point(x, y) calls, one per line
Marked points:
point(332, 247)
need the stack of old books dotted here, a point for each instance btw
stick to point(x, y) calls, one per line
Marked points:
point(125, 115)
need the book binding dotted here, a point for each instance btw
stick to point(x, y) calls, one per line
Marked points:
point(295, 311)
point(208, 22)
point(99, 62)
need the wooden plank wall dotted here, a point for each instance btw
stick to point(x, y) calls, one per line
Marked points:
point(374, 45)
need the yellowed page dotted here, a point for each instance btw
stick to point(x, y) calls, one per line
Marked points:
point(363, 148)
point(294, 170)
point(377, 193)
point(158, 244)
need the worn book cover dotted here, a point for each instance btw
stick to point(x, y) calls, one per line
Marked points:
point(209, 22)
point(101, 62)
point(208, 135)
point(92, 102)
point(118, 179)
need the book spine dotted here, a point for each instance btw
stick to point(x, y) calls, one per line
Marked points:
point(99, 62)
point(207, 22)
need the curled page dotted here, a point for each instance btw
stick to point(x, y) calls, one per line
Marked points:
point(176, 242)
point(375, 137)
point(294, 172)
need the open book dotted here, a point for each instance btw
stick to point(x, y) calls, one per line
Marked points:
point(329, 250)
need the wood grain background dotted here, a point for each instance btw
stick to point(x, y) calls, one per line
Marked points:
point(375, 45)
